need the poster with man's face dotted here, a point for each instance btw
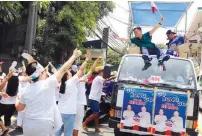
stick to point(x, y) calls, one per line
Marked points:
point(137, 111)
point(170, 113)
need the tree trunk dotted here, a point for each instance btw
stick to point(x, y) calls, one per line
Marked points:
point(31, 27)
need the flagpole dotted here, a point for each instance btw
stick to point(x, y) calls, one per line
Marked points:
point(160, 13)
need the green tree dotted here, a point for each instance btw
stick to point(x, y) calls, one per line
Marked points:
point(113, 58)
point(9, 10)
point(66, 25)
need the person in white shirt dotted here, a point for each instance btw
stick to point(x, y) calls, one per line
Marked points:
point(22, 84)
point(177, 122)
point(69, 97)
point(94, 100)
point(7, 105)
point(128, 118)
point(4, 95)
point(81, 99)
point(160, 121)
point(39, 99)
point(145, 119)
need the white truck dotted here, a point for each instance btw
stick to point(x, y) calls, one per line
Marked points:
point(179, 76)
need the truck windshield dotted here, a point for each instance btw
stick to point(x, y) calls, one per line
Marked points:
point(178, 73)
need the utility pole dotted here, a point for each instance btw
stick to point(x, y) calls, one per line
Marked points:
point(31, 27)
point(104, 44)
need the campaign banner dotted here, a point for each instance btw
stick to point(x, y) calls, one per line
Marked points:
point(137, 111)
point(170, 113)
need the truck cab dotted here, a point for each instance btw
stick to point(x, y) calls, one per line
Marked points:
point(178, 77)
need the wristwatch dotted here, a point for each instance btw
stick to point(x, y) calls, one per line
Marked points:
point(160, 24)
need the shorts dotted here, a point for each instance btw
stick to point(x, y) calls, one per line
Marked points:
point(95, 106)
point(79, 117)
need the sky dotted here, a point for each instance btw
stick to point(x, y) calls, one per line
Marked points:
point(121, 13)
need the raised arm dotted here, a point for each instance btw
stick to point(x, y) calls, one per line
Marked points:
point(2, 85)
point(84, 64)
point(68, 64)
point(156, 26)
point(121, 39)
point(98, 60)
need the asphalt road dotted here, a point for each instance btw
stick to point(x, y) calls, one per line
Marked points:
point(104, 127)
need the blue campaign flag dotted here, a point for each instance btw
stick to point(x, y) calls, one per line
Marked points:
point(170, 111)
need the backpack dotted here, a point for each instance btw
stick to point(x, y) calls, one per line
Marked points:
point(12, 86)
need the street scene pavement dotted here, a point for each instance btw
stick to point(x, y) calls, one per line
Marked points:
point(107, 131)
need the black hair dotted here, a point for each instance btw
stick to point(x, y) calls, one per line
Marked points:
point(63, 80)
point(95, 73)
point(63, 85)
point(30, 69)
point(138, 28)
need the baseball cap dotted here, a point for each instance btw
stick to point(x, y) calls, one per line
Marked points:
point(1, 62)
point(170, 32)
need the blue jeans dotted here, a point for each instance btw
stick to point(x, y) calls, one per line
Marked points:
point(68, 125)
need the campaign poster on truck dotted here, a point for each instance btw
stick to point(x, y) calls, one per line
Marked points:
point(170, 113)
point(137, 111)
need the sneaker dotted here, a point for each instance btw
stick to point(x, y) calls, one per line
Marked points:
point(146, 66)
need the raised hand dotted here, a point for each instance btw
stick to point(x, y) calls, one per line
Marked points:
point(161, 20)
point(77, 53)
point(99, 59)
point(88, 55)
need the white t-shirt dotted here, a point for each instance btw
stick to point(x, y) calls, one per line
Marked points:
point(82, 93)
point(9, 100)
point(145, 119)
point(57, 92)
point(160, 121)
point(96, 88)
point(177, 124)
point(128, 118)
point(68, 101)
point(39, 99)
point(21, 85)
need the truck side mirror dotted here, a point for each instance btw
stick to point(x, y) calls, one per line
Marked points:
point(107, 72)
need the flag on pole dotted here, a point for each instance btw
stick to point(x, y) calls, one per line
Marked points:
point(153, 7)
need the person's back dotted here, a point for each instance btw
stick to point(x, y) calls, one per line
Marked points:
point(39, 99)
point(96, 88)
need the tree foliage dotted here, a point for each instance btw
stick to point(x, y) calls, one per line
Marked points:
point(9, 11)
point(113, 58)
point(68, 24)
